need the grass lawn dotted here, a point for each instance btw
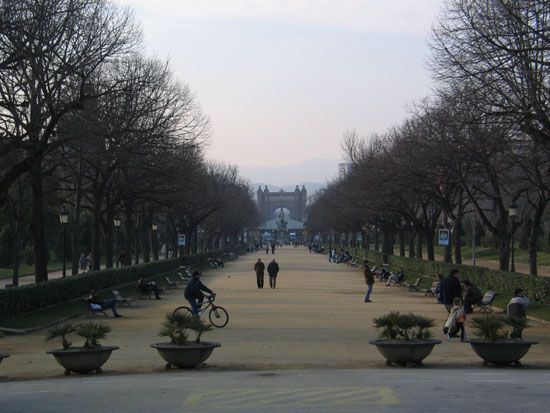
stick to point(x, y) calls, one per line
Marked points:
point(29, 269)
point(491, 253)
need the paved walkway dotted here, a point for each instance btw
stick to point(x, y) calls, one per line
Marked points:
point(316, 318)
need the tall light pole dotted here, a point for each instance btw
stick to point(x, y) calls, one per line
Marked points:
point(64, 219)
point(512, 213)
point(117, 221)
point(365, 228)
point(154, 227)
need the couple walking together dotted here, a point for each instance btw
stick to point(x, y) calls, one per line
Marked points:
point(272, 271)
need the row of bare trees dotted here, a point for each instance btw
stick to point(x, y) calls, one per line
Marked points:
point(479, 146)
point(91, 125)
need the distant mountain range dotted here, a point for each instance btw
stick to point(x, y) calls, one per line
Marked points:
point(313, 174)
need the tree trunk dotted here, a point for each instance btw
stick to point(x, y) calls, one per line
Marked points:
point(96, 235)
point(411, 245)
point(75, 233)
point(401, 242)
point(504, 250)
point(457, 240)
point(376, 240)
point(146, 244)
point(108, 238)
point(36, 227)
point(428, 233)
point(534, 234)
point(16, 248)
point(419, 244)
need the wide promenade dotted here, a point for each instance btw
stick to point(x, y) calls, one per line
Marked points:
point(316, 318)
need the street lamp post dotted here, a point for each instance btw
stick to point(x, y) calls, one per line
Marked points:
point(64, 219)
point(154, 227)
point(365, 228)
point(512, 213)
point(116, 221)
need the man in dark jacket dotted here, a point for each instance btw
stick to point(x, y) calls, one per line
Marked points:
point(273, 270)
point(194, 292)
point(450, 288)
point(259, 269)
point(472, 296)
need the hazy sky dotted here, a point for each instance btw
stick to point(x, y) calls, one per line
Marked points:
point(283, 80)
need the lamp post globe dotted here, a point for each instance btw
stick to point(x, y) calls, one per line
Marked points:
point(116, 222)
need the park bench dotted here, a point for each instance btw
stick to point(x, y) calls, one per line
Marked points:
point(182, 278)
point(120, 299)
point(416, 286)
point(486, 303)
point(171, 284)
point(432, 291)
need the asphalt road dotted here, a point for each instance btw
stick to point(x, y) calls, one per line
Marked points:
point(372, 390)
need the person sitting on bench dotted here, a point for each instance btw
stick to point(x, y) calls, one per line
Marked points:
point(148, 287)
point(396, 278)
point(97, 303)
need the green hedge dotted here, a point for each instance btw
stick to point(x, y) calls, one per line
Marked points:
point(33, 297)
point(503, 282)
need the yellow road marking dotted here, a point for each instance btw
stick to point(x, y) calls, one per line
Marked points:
point(325, 396)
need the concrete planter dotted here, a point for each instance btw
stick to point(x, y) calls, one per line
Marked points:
point(403, 352)
point(502, 352)
point(185, 356)
point(83, 359)
point(3, 356)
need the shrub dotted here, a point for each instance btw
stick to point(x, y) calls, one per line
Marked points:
point(91, 331)
point(404, 326)
point(60, 332)
point(33, 297)
point(176, 325)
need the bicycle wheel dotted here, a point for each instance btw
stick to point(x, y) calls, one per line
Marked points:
point(183, 309)
point(218, 316)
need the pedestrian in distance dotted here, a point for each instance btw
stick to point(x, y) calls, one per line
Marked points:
point(83, 262)
point(450, 289)
point(369, 280)
point(266, 249)
point(272, 271)
point(259, 269)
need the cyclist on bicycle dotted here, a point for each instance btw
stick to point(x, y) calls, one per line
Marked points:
point(193, 292)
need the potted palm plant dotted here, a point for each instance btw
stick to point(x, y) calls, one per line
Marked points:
point(91, 356)
point(404, 338)
point(500, 339)
point(180, 351)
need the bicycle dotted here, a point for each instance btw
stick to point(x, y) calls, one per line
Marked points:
point(217, 315)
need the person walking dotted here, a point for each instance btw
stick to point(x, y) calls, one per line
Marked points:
point(369, 280)
point(266, 249)
point(83, 262)
point(450, 289)
point(272, 271)
point(455, 321)
point(259, 268)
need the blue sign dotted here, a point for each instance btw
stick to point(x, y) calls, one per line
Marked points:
point(181, 240)
point(444, 236)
